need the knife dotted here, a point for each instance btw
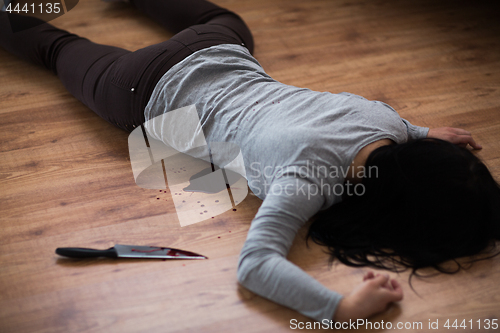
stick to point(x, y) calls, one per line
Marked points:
point(129, 251)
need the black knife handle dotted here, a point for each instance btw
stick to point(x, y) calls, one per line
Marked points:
point(78, 252)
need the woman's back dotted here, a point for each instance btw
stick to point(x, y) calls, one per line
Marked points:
point(279, 128)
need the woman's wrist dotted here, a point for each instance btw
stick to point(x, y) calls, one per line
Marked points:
point(344, 311)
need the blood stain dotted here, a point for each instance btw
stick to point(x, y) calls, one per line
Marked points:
point(218, 237)
point(147, 251)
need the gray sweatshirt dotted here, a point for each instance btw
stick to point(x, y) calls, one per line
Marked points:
point(297, 145)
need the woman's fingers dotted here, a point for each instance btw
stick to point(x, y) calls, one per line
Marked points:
point(398, 291)
point(392, 289)
point(390, 286)
point(469, 140)
point(384, 281)
point(459, 131)
point(368, 276)
point(369, 297)
point(464, 137)
point(457, 136)
point(381, 279)
point(463, 140)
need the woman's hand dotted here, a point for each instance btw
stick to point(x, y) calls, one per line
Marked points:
point(454, 135)
point(370, 297)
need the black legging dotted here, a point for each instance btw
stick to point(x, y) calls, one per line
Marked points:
point(113, 82)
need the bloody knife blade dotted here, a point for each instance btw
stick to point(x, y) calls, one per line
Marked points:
point(129, 251)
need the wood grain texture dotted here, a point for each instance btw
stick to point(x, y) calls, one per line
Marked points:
point(65, 175)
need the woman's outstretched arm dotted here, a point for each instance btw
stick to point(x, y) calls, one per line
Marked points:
point(264, 269)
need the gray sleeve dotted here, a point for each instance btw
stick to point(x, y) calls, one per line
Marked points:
point(415, 132)
point(263, 267)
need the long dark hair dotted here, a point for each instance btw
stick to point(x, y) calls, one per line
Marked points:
point(430, 202)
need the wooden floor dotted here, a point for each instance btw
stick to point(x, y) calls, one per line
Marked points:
point(65, 176)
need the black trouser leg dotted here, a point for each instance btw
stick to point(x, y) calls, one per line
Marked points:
point(113, 82)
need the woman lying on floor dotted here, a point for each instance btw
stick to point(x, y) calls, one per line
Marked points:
point(430, 200)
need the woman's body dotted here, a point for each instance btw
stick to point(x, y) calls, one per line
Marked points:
point(277, 126)
point(281, 130)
